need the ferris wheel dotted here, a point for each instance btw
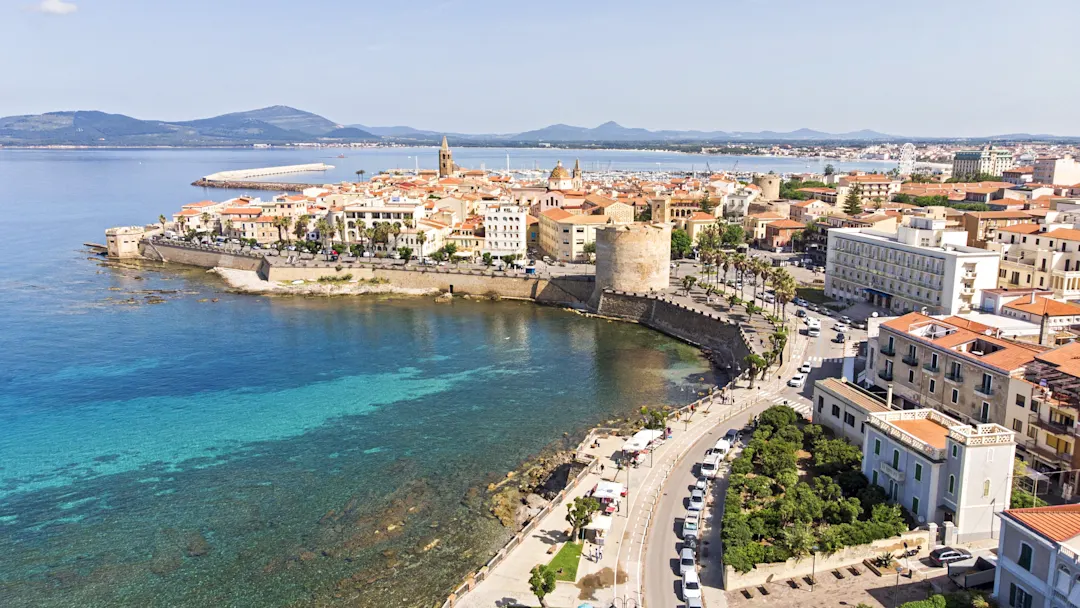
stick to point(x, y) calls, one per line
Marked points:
point(907, 159)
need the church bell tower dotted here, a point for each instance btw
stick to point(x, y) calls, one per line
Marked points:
point(446, 160)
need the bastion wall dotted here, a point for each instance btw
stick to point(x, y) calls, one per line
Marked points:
point(199, 255)
point(718, 334)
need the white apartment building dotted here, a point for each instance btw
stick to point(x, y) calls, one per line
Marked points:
point(1038, 560)
point(1060, 170)
point(871, 187)
point(920, 266)
point(1031, 258)
point(505, 230)
point(988, 161)
point(943, 471)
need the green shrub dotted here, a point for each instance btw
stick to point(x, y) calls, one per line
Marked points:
point(935, 601)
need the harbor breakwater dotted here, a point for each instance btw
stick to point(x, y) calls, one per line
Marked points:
point(250, 185)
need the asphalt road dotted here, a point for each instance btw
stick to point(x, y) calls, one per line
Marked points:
point(662, 583)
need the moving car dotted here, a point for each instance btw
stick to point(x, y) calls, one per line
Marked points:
point(691, 585)
point(697, 500)
point(687, 561)
point(840, 338)
point(943, 556)
point(813, 332)
point(690, 525)
point(797, 380)
point(804, 368)
point(800, 313)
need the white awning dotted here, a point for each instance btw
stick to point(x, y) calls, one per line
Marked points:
point(608, 490)
point(600, 522)
point(641, 440)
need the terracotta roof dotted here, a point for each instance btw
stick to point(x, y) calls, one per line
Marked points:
point(1042, 306)
point(242, 211)
point(1066, 358)
point(968, 324)
point(1020, 170)
point(1008, 356)
point(556, 214)
point(199, 204)
point(1065, 234)
point(924, 430)
point(190, 212)
point(1021, 228)
point(786, 225)
point(1057, 523)
point(999, 215)
point(767, 215)
point(702, 216)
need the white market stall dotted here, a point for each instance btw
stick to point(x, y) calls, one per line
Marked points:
point(639, 445)
point(598, 529)
point(609, 493)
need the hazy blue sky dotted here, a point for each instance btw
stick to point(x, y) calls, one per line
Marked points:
point(915, 67)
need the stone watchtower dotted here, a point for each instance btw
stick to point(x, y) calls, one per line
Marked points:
point(770, 186)
point(446, 160)
point(632, 258)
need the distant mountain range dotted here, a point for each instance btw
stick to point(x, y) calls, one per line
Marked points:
point(285, 125)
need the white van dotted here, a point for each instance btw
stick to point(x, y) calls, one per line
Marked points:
point(721, 449)
point(710, 467)
point(813, 323)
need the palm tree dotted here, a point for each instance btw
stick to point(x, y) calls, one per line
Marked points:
point(395, 229)
point(340, 223)
point(161, 218)
point(688, 283)
point(279, 225)
point(301, 229)
point(421, 238)
point(204, 219)
point(360, 175)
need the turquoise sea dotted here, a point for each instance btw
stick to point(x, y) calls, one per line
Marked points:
point(216, 449)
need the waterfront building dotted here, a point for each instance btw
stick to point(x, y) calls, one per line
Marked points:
point(941, 470)
point(435, 233)
point(921, 266)
point(982, 226)
point(987, 161)
point(564, 235)
point(505, 230)
point(1033, 257)
point(123, 241)
point(1038, 557)
point(843, 407)
point(950, 364)
point(1062, 170)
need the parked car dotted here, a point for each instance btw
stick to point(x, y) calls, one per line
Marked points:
point(733, 436)
point(691, 585)
point(805, 368)
point(710, 466)
point(797, 380)
point(690, 525)
point(687, 561)
point(693, 602)
point(721, 447)
point(701, 484)
point(840, 338)
point(812, 307)
point(846, 319)
point(697, 500)
point(943, 556)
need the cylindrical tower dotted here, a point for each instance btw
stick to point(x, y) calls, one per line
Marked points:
point(632, 258)
point(770, 186)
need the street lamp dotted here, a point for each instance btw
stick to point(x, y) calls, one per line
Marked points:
point(813, 569)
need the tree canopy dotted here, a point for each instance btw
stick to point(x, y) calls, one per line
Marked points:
point(681, 245)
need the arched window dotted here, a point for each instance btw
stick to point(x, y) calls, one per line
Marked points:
point(986, 488)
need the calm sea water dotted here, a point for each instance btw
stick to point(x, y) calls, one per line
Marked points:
point(217, 449)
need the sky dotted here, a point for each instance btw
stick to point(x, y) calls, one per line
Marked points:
point(912, 67)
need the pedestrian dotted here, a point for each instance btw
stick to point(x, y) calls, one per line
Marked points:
point(601, 470)
point(601, 552)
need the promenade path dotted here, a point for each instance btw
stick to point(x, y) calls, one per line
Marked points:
point(621, 571)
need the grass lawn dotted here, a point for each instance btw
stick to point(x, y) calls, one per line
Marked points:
point(565, 562)
point(814, 295)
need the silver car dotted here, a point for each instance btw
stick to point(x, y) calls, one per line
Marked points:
point(687, 561)
point(697, 500)
point(690, 525)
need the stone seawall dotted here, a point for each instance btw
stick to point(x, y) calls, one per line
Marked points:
point(197, 255)
point(571, 290)
point(713, 332)
point(250, 185)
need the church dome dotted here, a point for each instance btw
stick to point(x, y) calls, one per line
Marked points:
point(559, 172)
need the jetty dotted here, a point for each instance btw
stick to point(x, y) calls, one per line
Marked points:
point(244, 179)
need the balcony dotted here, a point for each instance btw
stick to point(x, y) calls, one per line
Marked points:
point(930, 367)
point(1062, 459)
point(957, 377)
point(910, 360)
point(1052, 427)
point(892, 473)
point(887, 350)
point(984, 390)
point(885, 375)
